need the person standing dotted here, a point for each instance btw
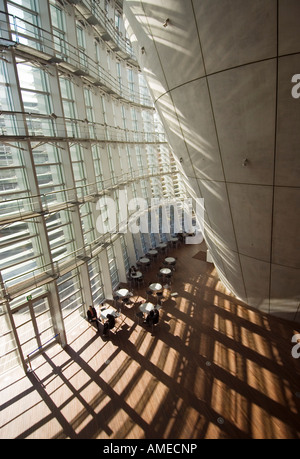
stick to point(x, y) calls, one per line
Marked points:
point(92, 317)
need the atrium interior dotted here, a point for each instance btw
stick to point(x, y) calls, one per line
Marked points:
point(125, 143)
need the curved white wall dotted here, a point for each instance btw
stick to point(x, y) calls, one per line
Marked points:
point(220, 74)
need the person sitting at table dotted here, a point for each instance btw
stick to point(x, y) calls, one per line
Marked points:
point(155, 317)
point(109, 323)
point(132, 270)
point(92, 316)
point(149, 318)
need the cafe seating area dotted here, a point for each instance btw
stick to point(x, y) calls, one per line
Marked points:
point(148, 284)
point(178, 378)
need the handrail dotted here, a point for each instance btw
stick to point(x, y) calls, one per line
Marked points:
point(44, 274)
point(110, 132)
point(45, 126)
point(96, 12)
point(28, 207)
point(69, 58)
point(97, 187)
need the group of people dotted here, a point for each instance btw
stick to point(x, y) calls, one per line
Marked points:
point(109, 323)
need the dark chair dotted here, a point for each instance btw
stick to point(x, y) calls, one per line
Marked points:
point(160, 276)
point(159, 296)
point(116, 299)
point(169, 279)
point(124, 301)
point(139, 315)
point(140, 281)
point(130, 281)
point(173, 264)
point(109, 325)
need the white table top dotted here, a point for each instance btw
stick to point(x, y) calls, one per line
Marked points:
point(113, 312)
point(137, 275)
point(162, 245)
point(123, 292)
point(155, 287)
point(144, 260)
point(146, 307)
point(174, 239)
point(153, 252)
point(170, 260)
point(165, 271)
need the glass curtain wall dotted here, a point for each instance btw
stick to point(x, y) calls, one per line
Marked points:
point(76, 120)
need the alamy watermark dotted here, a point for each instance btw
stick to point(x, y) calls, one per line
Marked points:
point(296, 347)
point(296, 88)
point(138, 215)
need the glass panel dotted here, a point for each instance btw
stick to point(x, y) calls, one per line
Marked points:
point(57, 17)
point(16, 253)
point(26, 333)
point(32, 78)
point(24, 23)
point(125, 253)
point(8, 348)
point(113, 267)
point(29, 4)
point(70, 293)
point(96, 282)
point(43, 319)
point(7, 121)
point(21, 272)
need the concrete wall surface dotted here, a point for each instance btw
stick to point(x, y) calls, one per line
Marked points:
point(220, 72)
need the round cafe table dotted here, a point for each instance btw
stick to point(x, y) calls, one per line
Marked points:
point(163, 245)
point(123, 293)
point(170, 260)
point(137, 275)
point(153, 252)
point(155, 287)
point(113, 312)
point(165, 271)
point(144, 260)
point(146, 307)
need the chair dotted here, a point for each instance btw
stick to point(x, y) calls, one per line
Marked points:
point(141, 281)
point(169, 278)
point(164, 250)
point(154, 257)
point(130, 281)
point(160, 276)
point(125, 301)
point(173, 264)
point(159, 296)
point(116, 299)
point(148, 294)
point(139, 315)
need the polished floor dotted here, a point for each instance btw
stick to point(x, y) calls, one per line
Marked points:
point(213, 368)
